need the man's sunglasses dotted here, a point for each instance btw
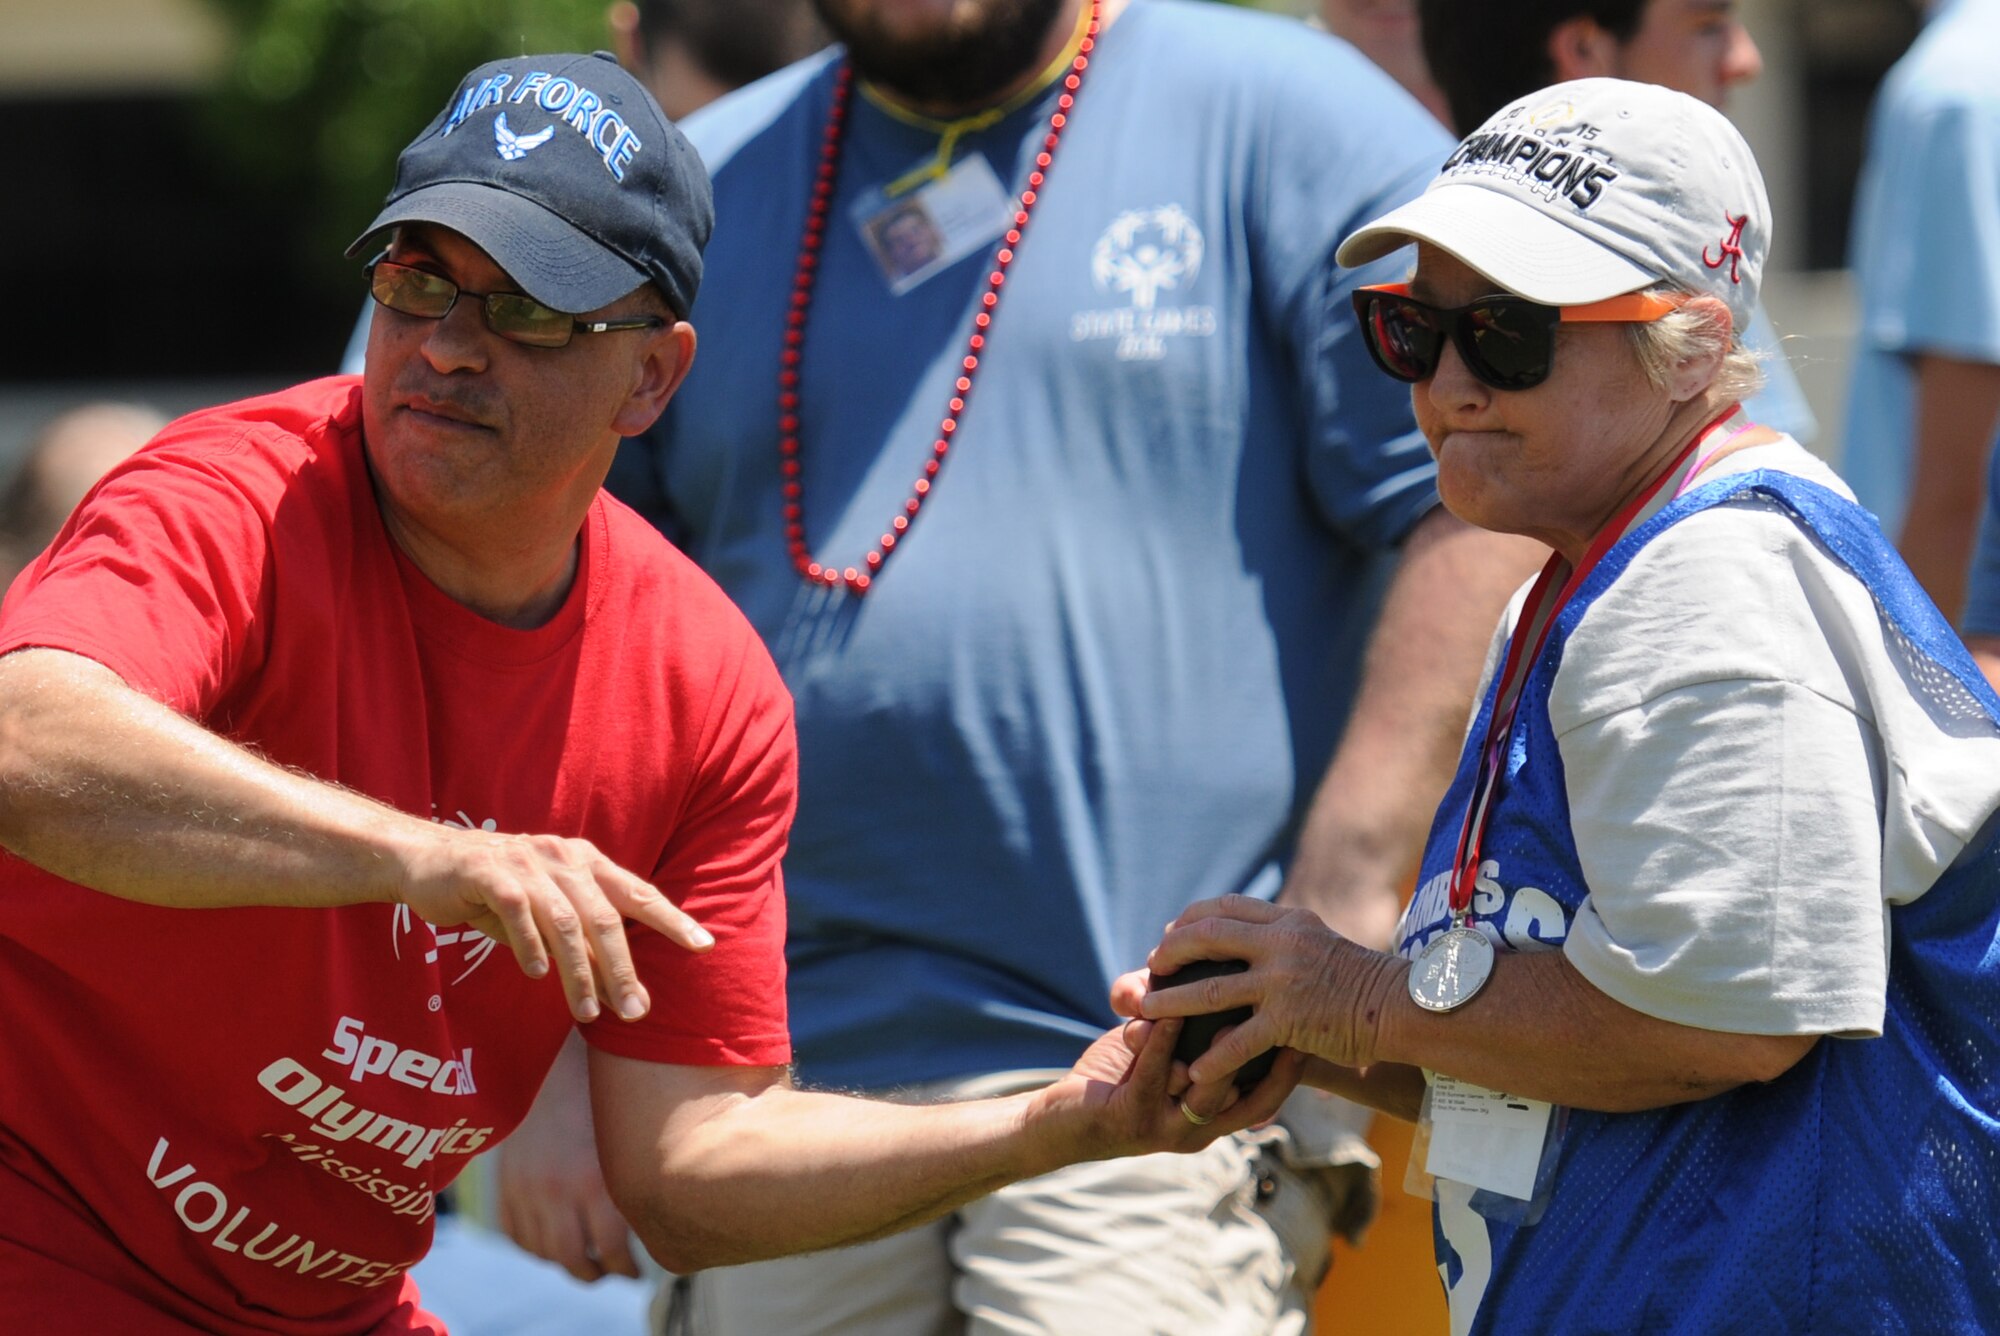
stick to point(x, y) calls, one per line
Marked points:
point(1507, 342)
point(511, 315)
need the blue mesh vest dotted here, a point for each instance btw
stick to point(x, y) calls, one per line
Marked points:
point(1858, 1192)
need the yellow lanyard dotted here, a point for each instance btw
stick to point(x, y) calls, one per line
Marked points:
point(950, 132)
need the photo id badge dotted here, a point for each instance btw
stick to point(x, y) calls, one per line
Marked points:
point(1503, 1145)
point(938, 224)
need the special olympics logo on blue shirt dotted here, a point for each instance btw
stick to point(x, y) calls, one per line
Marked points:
point(1146, 252)
point(1141, 255)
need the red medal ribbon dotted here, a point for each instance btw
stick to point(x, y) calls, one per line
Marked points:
point(1552, 591)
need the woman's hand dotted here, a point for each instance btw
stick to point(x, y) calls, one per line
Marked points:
point(1308, 987)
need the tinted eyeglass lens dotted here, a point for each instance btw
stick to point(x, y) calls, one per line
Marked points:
point(511, 315)
point(411, 291)
point(1506, 342)
point(521, 318)
point(1402, 335)
point(1509, 346)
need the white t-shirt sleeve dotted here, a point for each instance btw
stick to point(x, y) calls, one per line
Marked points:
point(1733, 864)
point(1755, 770)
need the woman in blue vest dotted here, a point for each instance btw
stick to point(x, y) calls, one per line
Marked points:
point(1696, 1002)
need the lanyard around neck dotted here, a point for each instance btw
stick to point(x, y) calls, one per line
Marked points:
point(949, 132)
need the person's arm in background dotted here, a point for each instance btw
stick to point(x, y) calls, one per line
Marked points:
point(1982, 593)
point(1364, 832)
point(549, 1191)
point(1957, 411)
point(1925, 252)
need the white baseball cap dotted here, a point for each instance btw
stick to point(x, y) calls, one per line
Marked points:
point(1594, 188)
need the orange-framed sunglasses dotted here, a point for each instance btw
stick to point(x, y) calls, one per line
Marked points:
point(1507, 342)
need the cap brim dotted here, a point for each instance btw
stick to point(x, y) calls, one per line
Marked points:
point(552, 261)
point(1516, 245)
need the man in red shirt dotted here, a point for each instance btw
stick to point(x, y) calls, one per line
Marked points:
point(371, 671)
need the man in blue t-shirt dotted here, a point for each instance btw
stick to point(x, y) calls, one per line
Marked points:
point(1925, 396)
point(1034, 433)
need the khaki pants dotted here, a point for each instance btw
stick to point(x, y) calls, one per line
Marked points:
point(1232, 1241)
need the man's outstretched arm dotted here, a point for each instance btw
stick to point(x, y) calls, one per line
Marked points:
point(716, 1166)
point(104, 786)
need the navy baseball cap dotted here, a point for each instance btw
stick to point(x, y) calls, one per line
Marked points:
point(565, 171)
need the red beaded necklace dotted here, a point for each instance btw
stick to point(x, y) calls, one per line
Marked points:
point(856, 579)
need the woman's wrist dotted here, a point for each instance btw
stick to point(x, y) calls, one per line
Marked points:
point(1358, 992)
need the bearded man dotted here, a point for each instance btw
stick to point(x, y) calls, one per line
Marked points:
point(1066, 530)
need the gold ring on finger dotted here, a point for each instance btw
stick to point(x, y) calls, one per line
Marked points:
point(1198, 1119)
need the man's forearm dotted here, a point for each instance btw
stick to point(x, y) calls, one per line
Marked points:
point(715, 1166)
point(742, 1177)
point(110, 789)
point(1365, 829)
point(948, 1155)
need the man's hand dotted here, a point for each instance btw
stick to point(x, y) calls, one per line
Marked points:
point(1127, 1096)
point(1308, 987)
point(552, 1197)
point(545, 897)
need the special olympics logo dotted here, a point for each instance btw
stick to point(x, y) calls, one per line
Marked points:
point(456, 946)
point(1146, 252)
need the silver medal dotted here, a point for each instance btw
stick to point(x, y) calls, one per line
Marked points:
point(1454, 967)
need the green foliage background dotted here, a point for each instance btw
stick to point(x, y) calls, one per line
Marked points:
point(320, 95)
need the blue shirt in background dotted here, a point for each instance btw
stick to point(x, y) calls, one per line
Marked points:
point(1102, 674)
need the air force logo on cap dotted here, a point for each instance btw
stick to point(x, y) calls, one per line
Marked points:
point(563, 169)
point(514, 147)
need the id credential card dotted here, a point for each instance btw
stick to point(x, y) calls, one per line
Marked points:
point(1486, 1138)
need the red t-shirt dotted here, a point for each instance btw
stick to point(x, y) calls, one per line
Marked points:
point(236, 1120)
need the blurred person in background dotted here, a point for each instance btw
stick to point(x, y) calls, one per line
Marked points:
point(691, 52)
point(63, 460)
point(1096, 661)
point(1485, 55)
point(1386, 32)
point(1924, 400)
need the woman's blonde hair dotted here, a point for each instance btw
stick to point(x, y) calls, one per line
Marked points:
point(1690, 331)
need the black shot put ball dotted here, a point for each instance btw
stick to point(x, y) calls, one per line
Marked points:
point(1198, 1032)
